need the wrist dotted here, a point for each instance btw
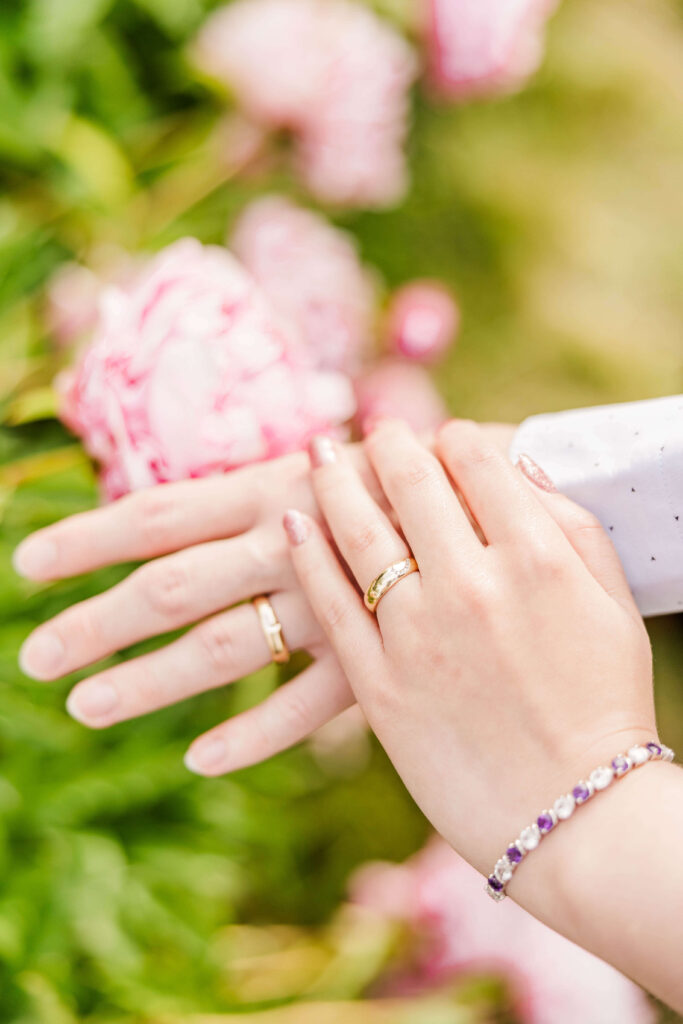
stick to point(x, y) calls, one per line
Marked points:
point(611, 759)
point(609, 880)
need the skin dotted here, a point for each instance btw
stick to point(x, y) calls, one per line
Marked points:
point(500, 674)
point(206, 545)
point(545, 600)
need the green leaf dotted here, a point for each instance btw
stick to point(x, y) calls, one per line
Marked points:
point(55, 30)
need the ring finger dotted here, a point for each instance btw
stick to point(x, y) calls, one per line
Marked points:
point(160, 596)
point(365, 537)
point(219, 650)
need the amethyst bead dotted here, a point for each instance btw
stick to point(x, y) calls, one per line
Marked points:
point(581, 793)
point(600, 778)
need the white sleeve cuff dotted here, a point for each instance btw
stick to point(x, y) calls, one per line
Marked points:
point(625, 464)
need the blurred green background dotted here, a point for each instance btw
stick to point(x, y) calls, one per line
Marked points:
point(130, 891)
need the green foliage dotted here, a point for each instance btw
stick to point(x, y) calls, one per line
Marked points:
point(130, 891)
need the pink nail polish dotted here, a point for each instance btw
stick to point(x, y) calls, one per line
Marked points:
point(532, 471)
point(296, 527)
point(321, 451)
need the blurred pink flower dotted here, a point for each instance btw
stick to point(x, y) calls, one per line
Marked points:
point(312, 275)
point(74, 290)
point(402, 390)
point(459, 931)
point(422, 321)
point(484, 47)
point(189, 372)
point(334, 74)
point(72, 296)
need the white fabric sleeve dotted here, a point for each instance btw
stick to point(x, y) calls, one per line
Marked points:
point(625, 464)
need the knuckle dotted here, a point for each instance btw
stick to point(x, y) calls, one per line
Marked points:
point(481, 597)
point(266, 554)
point(218, 644)
point(547, 561)
point(363, 537)
point(482, 454)
point(412, 473)
point(467, 444)
point(295, 715)
point(166, 587)
point(87, 623)
point(334, 612)
point(156, 515)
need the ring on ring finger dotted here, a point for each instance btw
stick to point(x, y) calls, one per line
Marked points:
point(272, 630)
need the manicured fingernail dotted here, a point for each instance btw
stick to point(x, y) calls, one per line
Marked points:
point(35, 557)
point(206, 757)
point(42, 655)
point(90, 701)
point(296, 527)
point(532, 471)
point(321, 451)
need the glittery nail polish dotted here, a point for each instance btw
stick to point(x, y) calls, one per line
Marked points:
point(532, 471)
point(296, 527)
point(321, 451)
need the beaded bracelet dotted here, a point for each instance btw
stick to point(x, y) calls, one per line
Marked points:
point(565, 806)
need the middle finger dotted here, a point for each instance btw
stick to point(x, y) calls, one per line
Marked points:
point(160, 596)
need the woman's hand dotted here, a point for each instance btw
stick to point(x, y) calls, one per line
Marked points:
point(501, 674)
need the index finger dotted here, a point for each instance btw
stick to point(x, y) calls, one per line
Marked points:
point(147, 523)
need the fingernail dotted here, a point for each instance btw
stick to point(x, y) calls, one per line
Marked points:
point(90, 701)
point(41, 655)
point(35, 557)
point(296, 527)
point(321, 451)
point(206, 757)
point(532, 471)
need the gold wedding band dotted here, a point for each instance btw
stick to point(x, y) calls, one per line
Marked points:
point(272, 630)
point(386, 580)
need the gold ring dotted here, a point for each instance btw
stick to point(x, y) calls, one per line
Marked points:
point(272, 630)
point(386, 580)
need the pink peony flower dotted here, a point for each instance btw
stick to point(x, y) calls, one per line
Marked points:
point(422, 321)
point(311, 274)
point(394, 388)
point(334, 74)
point(74, 290)
point(72, 296)
point(458, 931)
point(189, 373)
point(483, 47)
